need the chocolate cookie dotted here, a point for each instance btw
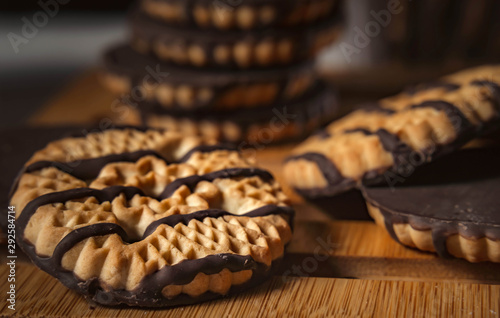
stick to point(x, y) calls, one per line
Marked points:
point(386, 141)
point(238, 14)
point(231, 49)
point(450, 206)
point(253, 127)
point(142, 78)
point(149, 218)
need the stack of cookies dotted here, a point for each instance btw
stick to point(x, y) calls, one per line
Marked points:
point(234, 71)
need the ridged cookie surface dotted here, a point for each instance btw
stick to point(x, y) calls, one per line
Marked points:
point(388, 140)
point(149, 217)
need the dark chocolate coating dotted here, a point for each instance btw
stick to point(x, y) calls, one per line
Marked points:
point(455, 194)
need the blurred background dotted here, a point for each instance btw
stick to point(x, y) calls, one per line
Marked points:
point(386, 44)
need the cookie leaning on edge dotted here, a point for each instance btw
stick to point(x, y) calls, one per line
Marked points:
point(450, 206)
point(386, 141)
point(149, 217)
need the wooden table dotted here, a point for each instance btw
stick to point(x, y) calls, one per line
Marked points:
point(333, 267)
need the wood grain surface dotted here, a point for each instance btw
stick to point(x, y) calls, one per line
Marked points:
point(39, 295)
point(333, 267)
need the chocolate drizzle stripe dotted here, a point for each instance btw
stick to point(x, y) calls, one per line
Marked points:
point(206, 149)
point(76, 236)
point(358, 130)
point(327, 167)
point(460, 123)
point(172, 220)
point(87, 169)
point(494, 87)
point(193, 180)
point(375, 107)
point(99, 129)
point(399, 150)
point(336, 182)
point(106, 194)
point(390, 142)
point(84, 169)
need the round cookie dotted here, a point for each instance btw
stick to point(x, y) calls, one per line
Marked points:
point(144, 78)
point(231, 49)
point(249, 127)
point(450, 206)
point(146, 217)
point(236, 14)
point(386, 141)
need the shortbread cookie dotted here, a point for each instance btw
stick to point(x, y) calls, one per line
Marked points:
point(450, 206)
point(263, 126)
point(231, 49)
point(149, 217)
point(386, 141)
point(142, 78)
point(253, 14)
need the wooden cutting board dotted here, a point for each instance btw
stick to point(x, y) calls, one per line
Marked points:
point(342, 267)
